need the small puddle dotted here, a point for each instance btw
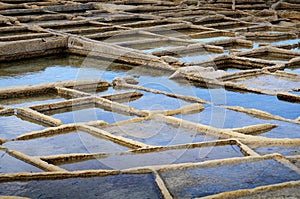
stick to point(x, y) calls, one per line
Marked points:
point(116, 186)
point(72, 142)
point(208, 181)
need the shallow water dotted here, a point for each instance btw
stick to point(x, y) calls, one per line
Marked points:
point(293, 70)
point(198, 58)
point(85, 114)
point(27, 101)
point(225, 118)
point(115, 186)
point(72, 67)
point(211, 39)
point(275, 42)
point(269, 82)
point(157, 158)
point(158, 133)
point(150, 101)
point(9, 164)
point(220, 96)
point(151, 50)
point(68, 67)
point(13, 126)
point(208, 181)
point(73, 142)
point(285, 151)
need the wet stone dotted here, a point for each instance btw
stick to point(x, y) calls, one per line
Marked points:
point(295, 161)
point(208, 181)
point(73, 142)
point(116, 186)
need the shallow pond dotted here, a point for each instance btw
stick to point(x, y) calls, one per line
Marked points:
point(225, 118)
point(158, 133)
point(115, 186)
point(9, 164)
point(86, 113)
point(208, 181)
point(72, 142)
point(156, 158)
point(12, 126)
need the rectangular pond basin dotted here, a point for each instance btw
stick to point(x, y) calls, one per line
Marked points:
point(9, 164)
point(151, 101)
point(158, 133)
point(126, 37)
point(221, 118)
point(114, 186)
point(163, 157)
point(134, 23)
point(183, 33)
point(294, 69)
point(71, 67)
point(257, 42)
point(283, 150)
point(283, 130)
point(224, 118)
point(199, 182)
point(54, 68)
point(31, 100)
point(221, 96)
point(151, 46)
point(271, 83)
point(210, 39)
point(270, 57)
point(86, 113)
point(67, 143)
point(197, 57)
point(12, 126)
